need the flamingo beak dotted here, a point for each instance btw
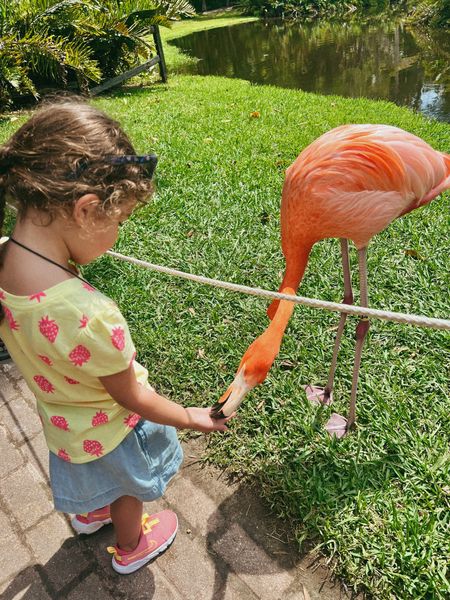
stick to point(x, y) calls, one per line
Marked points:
point(232, 398)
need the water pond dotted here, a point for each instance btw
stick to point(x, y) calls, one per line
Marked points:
point(385, 59)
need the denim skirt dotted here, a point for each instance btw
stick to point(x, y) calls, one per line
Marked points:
point(141, 466)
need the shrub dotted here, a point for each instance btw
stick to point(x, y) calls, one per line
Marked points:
point(32, 54)
point(432, 12)
point(75, 42)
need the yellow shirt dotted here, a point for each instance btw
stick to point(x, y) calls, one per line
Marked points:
point(62, 340)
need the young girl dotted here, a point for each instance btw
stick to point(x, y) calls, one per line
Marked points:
point(74, 177)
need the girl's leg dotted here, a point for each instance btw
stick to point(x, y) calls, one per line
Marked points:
point(126, 515)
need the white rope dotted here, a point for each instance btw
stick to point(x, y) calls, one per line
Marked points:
point(418, 321)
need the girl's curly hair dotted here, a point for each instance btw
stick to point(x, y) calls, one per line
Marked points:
point(57, 156)
point(39, 164)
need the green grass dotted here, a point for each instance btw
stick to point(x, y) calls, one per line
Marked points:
point(377, 501)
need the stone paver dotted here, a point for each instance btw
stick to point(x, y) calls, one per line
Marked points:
point(255, 567)
point(194, 505)
point(195, 572)
point(66, 566)
point(20, 420)
point(47, 537)
point(25, 496)
point(27, 585)
point(11, 562)
point(25, 392)
point(36, 452)
point(11, 372)
point(225, 549)
point(11, 457)
point(8, 391)
point(91, 587)
point(149, 582)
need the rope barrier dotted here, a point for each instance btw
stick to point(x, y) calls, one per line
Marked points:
point(416, 320)
point(351, 309)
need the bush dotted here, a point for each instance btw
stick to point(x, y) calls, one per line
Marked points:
point(31, 53)
point(432, 12)
point(75, 42)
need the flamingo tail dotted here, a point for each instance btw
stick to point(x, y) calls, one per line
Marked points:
point(442, 186)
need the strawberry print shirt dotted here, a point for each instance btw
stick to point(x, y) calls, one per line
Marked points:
point(62, 340)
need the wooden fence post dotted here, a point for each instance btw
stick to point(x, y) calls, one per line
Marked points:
point(160, 53)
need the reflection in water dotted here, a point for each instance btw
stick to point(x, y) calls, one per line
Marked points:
point(383, 60)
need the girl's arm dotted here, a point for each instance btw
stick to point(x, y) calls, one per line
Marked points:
point(126, 391)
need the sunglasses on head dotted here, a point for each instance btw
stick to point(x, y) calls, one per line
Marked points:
point(146, 161)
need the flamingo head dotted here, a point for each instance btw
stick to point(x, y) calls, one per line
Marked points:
point(257, 360)
point(252, 371)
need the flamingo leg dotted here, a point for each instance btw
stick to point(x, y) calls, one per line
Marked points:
point(316, 394)
point(361, 332)
point(348, 299)
point(337, 424)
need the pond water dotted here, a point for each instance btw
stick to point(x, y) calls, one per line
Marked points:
point(377, 60)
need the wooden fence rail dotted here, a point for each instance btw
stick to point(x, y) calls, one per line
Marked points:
point(156, 60)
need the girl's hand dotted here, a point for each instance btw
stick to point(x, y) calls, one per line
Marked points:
point(126, 391)
point(200, 419)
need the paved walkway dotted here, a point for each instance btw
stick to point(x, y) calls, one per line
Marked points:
point(227, 547)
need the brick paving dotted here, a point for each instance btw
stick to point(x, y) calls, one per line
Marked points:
point(228, 547)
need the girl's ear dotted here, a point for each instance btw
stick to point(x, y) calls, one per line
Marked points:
point(85, 209)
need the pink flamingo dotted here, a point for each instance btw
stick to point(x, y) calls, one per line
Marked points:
point(350, 183)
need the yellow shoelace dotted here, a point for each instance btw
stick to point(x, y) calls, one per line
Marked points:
point(147, 526)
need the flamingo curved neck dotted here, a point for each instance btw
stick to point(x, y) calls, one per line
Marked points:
point(277, 326)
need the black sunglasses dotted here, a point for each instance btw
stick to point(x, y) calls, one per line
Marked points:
point(147, 161)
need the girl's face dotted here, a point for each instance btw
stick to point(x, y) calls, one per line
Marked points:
point(97, 234)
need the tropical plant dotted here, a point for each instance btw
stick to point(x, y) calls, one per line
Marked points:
point(116, 31)
point(56, 43)
point(31, 54)
point(431, 12)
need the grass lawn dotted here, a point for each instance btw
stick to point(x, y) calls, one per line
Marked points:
point(377, 501)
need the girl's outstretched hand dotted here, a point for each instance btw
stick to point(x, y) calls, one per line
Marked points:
point(126, 391)
point(200, 419)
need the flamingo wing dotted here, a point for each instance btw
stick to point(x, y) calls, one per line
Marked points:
point(354, 181)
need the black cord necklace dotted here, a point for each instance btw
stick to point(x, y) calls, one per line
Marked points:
point(11, 239)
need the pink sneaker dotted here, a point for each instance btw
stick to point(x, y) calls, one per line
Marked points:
point(158, 532)
point(91, 521)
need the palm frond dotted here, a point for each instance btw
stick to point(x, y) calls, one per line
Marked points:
point(14, 72)
point(50, 57)
point(79, 57)
point(60, 7)
point(173, 9)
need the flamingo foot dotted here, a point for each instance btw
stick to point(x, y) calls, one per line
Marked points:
point(336, 425)
point(317, 395)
